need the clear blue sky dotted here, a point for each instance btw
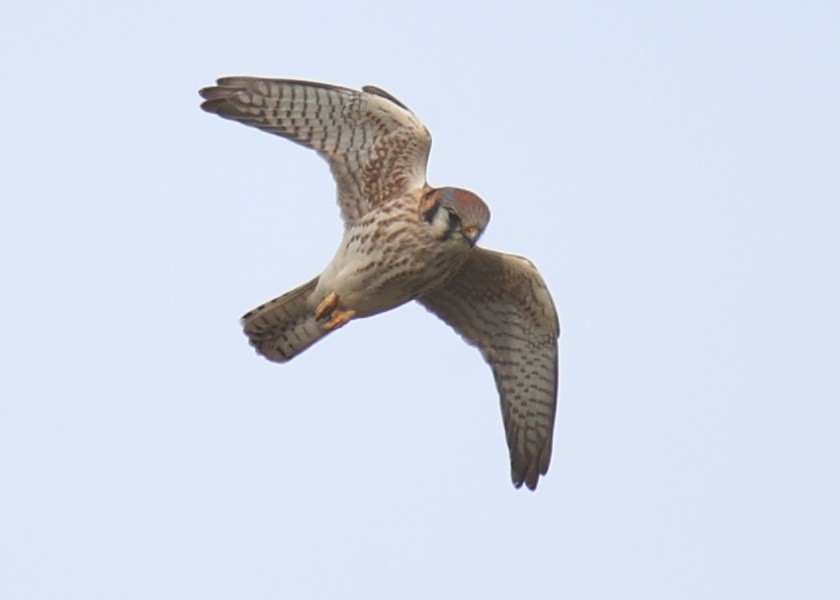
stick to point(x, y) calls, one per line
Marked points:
point(672, 168)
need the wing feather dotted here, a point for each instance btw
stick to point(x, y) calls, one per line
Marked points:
point(377, 148)
point(499, 303)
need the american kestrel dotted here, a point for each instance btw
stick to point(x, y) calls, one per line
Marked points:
point(404, 240)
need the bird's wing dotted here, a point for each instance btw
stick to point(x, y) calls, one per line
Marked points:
point(499, 303)
point(376, 147)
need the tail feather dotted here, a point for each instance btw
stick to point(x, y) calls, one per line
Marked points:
point(284, 327)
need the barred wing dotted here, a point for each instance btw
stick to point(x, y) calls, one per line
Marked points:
point(376, 147)
point(499, 303)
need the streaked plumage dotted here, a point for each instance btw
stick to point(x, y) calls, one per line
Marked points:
point(404, 240)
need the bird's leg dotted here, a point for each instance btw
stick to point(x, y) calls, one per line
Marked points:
point(337, 317)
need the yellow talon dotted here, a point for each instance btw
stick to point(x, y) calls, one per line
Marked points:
point(329, 306)
point(337, 319)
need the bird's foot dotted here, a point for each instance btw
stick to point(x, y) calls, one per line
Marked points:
point(337, 319)
point(329, 306)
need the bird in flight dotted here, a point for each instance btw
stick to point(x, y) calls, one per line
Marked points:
point(404, 240)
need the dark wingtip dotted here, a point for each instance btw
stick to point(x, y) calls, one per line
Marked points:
point(528, 474)
point(530, 482)
point(213, 106)
point(215, 96)
point(372, 89)
point(222, 88)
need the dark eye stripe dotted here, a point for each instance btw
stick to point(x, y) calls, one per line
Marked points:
point(432, 212)
point(454, 223)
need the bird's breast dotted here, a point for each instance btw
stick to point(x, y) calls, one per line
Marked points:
point(387, 261)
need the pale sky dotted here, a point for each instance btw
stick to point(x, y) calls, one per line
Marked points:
point(673, 169)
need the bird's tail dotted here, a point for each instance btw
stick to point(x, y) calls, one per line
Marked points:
point(284, 327)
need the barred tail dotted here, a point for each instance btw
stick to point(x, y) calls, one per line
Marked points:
point(284, 327)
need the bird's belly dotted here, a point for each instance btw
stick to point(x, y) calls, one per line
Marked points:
point(372, 283)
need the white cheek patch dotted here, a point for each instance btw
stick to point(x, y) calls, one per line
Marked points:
point(440, 223)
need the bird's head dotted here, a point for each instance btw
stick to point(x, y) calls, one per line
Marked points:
point(453, 212)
